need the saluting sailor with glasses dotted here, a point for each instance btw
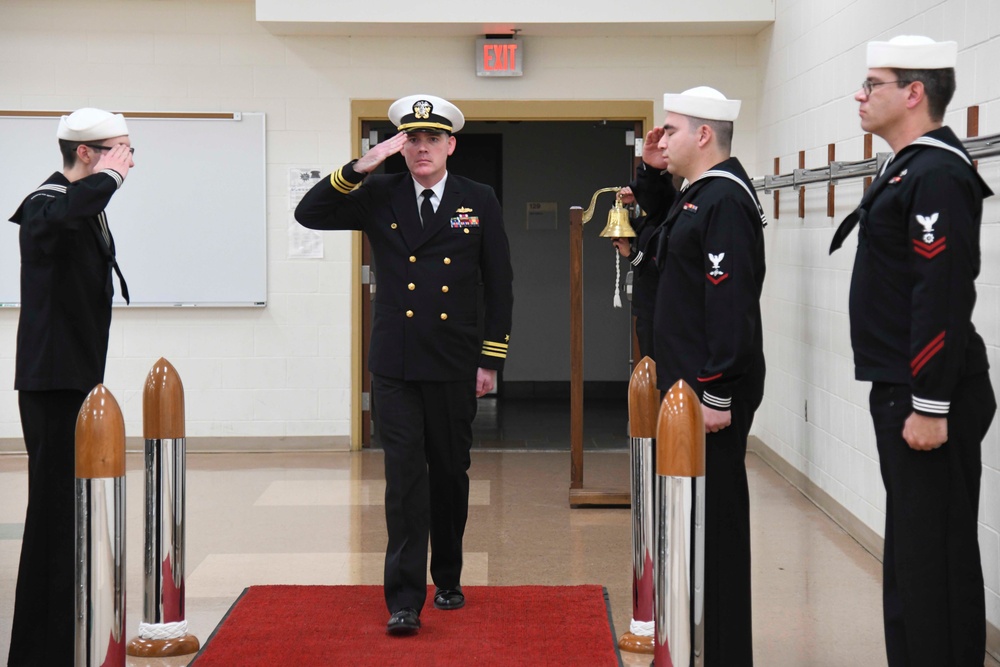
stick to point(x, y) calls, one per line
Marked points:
point(67, 263)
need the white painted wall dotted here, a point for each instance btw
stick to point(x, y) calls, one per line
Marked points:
point(812, 62)
point(283, 372)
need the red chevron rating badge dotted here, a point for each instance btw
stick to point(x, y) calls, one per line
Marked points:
point(929, 250)
point(927, 246)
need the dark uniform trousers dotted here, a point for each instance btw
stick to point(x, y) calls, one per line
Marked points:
point(728, 616)
point(933, 598)
point(426, 433)
point(644, 335)
point(42, 631)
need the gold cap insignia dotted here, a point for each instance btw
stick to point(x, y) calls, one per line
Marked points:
point(422, 109)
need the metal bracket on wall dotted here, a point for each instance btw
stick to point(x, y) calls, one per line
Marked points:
point(978, 148)
point(368, 278)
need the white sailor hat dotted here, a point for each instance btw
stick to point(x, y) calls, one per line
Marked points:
point(89, 124)
point(912, 52)
point(415, 113)
point(702, 102)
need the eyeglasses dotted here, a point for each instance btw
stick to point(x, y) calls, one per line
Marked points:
point(99, 147)
point(868, 85)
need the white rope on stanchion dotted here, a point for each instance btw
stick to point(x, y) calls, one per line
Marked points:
point(642, 628)
point(618, 279)
point(163, 630)
point(643, 411)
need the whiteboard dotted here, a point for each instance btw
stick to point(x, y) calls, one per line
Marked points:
point(190, 222)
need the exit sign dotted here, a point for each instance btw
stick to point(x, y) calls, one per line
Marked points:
point(499, 57)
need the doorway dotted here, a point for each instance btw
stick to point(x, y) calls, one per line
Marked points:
point(553, 153)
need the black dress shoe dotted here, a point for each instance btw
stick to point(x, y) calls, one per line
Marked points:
point(403, 622)
point(449, 598)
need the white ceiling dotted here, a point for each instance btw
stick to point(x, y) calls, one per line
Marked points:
point(532, 18)
point(671, 29)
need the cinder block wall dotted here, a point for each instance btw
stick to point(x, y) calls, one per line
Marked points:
point(812, 61)
point(284, 372)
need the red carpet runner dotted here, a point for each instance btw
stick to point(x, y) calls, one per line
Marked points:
point(330, 626)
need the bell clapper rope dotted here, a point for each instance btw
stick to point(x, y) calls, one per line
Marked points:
point(618, 267)
point(618, 278)
point(617, 227)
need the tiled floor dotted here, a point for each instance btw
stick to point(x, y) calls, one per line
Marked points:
point(317, 518)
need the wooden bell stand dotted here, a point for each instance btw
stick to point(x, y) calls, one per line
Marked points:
point(578, 495)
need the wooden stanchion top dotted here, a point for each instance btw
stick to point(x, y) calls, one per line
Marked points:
point(680, 434)
point(163, 403)
point(643, 400)
point(100, 436)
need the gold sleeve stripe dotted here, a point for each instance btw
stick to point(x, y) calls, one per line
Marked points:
point(341, 184)
point(487, 353)
point(502, 346)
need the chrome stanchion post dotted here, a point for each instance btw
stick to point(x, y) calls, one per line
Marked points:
point(680, 532)
point(99, 576)
point(163, 631)
point(643, 408)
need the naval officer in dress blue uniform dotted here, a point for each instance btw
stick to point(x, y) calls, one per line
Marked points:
point(436, 237)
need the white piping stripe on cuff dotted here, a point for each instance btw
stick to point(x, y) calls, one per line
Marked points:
point(716, 402)
point(935, 407)
point(115, 175)
point(638, 258)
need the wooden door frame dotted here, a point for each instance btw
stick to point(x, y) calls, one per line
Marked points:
point(362, 110)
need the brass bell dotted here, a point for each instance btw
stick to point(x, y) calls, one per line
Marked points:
point(618, 225)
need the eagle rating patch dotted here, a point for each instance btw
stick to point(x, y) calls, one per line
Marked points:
point(716, 275)
point(927, 246)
